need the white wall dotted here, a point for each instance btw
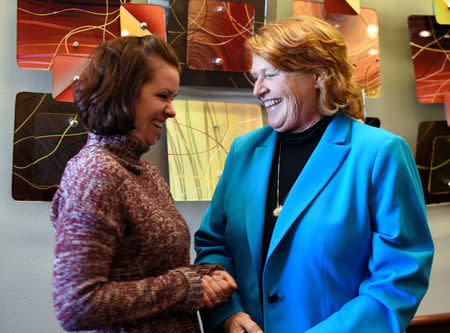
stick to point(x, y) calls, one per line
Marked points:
point(26, 236)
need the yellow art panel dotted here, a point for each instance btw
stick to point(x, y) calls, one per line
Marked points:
point(198, 141)
point(441, 11)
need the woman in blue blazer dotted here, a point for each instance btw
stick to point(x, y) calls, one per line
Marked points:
point(318, 217)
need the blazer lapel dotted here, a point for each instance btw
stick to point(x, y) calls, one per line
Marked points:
point(323, 163)
point(256, 205)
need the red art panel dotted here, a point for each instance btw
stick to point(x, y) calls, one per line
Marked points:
point(217, 31)
point(47, 133)
point(361, 36)
point(46, 28)
point(430, 47)
point(178, 34)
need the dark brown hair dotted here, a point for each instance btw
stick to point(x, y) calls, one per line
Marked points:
point(107, 90)
point(306, 43)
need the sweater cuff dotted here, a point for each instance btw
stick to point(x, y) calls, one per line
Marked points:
point(194, 296)
point(206, 269)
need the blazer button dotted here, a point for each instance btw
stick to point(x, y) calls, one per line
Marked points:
point(272, 298)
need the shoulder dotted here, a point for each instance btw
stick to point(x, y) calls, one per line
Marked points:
point(93, 165)
point(369, 137)
point(254, 138)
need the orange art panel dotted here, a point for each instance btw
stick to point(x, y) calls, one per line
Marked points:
point(141, 20)
point(361, 36)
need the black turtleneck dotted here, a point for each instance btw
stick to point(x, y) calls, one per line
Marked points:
point(296, 148)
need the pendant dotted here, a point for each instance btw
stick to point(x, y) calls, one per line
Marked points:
point(277, 210)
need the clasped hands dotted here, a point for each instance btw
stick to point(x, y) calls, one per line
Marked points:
point(217, 286)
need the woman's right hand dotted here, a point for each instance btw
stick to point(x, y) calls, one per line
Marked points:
point(217, 288)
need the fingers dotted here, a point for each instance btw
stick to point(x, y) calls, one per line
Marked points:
point(208, 294)
point(220, 286)
point(225, 276)
point(241, 322)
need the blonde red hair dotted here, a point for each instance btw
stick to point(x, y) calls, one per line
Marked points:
point(306, 43)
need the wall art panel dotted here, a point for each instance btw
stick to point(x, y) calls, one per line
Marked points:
point(433, 160)
point(216, 33)
point(46, 28)
point(361, 36)
point(199, 139)
point(237, 25)
point(430, 47)
point(47, 134)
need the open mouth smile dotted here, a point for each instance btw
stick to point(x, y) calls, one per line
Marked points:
point(272, 102)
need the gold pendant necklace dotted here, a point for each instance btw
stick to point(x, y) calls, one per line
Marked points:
point(279, 207)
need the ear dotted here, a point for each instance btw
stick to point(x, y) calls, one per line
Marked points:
point(319, 81)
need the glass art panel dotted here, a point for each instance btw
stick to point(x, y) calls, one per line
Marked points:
point(66, 69)
point(198, 140)
point(344, 7)
point(372, 121)
point(433, 160)
point(216, 34)
point(361, 36)
point(178, 34)
point(441, 11)
point(46, 28)
point(141, 20)
point(47, 134)
point(430, 45)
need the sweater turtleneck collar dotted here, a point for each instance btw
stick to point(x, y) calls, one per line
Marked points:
point(125, 149)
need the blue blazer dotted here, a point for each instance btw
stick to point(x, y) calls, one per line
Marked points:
point(351, 250)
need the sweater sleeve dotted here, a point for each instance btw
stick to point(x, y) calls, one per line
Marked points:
point(86, 214)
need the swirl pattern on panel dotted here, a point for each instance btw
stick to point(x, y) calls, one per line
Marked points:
point(430, 47)
point(216, 33)
point(46, 28)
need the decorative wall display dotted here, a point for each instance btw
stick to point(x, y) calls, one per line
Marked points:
point(66, 69)
point(441, 11)
point(433, 160)
point(46, 28)
point(372, 121)
point(430, 45)
point(47, 134)
point(361, 36)
point(198, 141)
point(141, 20)
point(225, 37)
point(343, 7)
point(215, 36)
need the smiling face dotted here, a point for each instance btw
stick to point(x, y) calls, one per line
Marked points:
point(291, 98)
point(154, 104)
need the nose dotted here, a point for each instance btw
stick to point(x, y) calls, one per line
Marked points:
point(169, 111)
point(259, 89)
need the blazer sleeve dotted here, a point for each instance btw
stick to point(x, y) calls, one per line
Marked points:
point(402, 249)
point(210, 245)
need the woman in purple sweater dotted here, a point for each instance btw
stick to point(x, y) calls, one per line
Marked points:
point(122, 249)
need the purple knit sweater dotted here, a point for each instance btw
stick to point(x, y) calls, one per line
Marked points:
point(122, 248)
